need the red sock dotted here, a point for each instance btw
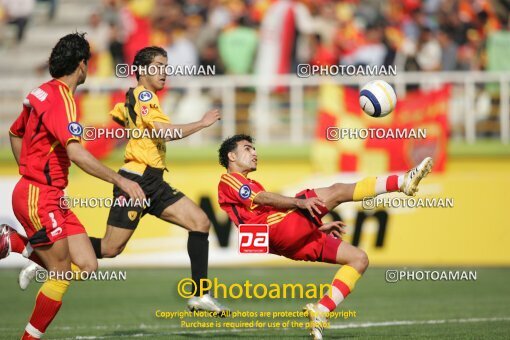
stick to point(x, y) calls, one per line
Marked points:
point(44, 312)
point(384, 184)
point(337, 296)
point(18, 243)
point(343, 283)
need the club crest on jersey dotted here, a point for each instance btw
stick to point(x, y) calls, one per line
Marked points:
point(245, 192)
point(75, 129)
point(132, 215)
point(145, 96)
point(144, 110)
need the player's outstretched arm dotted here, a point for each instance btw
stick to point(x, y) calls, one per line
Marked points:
point(284, 202)
point(209, 118)
point(88, 163)
point(16, 146)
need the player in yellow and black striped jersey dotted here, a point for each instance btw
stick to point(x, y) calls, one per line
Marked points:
point(144, 159)
point(141, 111)
point(145, 164)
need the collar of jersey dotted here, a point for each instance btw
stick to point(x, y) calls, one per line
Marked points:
point(61, 82)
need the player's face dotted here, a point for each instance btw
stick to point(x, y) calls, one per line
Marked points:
point(246, 156)
point(157, 81)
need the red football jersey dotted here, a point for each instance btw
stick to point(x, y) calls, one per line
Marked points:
point(46, 124)
point(235, 196)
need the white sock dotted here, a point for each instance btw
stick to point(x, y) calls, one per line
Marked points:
point(401, 180)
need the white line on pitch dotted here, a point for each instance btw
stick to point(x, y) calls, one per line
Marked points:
point(333, 326)
point(414, 322)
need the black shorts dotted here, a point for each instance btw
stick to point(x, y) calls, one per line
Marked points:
point(160, 194)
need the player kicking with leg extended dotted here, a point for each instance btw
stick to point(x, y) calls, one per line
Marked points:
point(45, 139)
point(296, 230)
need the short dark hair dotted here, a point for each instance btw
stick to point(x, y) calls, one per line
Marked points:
point(229, 145)
point(68, 53)
point(146, 55)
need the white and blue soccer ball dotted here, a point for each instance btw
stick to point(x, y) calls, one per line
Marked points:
point(377, 98)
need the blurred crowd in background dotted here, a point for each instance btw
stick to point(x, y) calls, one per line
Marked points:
point(18, 12)
point(274, 36)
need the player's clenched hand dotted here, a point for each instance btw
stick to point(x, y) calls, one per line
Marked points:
point(335, 228)
point(131, 188)
point(311, 204)
point(211, 117)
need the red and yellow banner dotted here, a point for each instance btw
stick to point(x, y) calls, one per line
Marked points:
point(419, 110)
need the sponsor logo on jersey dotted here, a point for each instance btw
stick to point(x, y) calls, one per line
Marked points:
point(144, 110)
point(253, 238)
point(145, 96)
point(75, 129)
point(245, 192)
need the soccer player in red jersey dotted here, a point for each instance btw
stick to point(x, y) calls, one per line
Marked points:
point(45, 139)
point(295, 227)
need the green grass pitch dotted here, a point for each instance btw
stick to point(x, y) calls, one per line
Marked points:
point(405, 310)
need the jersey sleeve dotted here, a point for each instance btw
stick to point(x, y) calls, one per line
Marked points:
point(117, 114)
point(18, 127)
point(236, 189)
point(60, 120)
point(150, 110)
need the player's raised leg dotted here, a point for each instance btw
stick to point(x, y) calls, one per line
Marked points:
point(188, 215)
point(372, 186)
